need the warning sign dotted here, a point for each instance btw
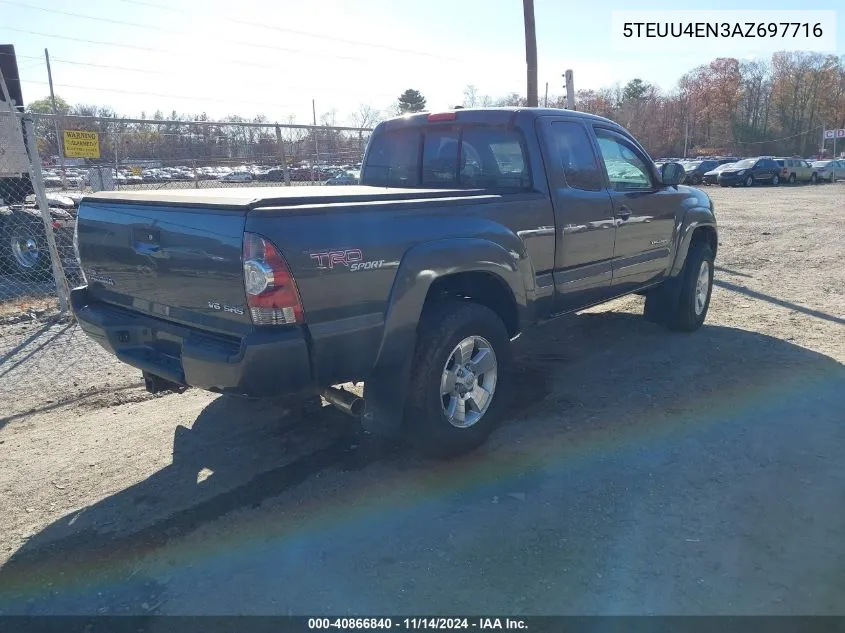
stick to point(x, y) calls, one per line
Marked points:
point(79, 144)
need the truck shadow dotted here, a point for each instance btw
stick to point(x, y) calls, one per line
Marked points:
point(249, 456)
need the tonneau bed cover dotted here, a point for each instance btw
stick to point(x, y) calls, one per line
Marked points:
point(255, 197)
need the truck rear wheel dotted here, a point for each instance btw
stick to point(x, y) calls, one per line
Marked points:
point(459, 378)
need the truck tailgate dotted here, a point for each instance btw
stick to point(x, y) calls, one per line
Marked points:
point(177, 263)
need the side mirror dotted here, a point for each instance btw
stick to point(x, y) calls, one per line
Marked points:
point(671, 174)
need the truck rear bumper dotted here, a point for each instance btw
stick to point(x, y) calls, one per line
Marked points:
point(264, 363)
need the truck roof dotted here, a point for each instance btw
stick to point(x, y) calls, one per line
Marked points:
point(254, 197)
point(490, 116)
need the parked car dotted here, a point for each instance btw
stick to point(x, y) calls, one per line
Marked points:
point(829, 170)
point(750, 171)
point(695, 170)
point(276, 174)
point(237, 176)
point(446, 277)
point(712, 176)
point(344, 178)
point(794, 170)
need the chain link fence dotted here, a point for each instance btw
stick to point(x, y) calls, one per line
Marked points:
point(45, 359)
point(159, 154)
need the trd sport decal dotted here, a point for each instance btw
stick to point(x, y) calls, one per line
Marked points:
point(352, 258)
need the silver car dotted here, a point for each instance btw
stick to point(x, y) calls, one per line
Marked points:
point(829, 170)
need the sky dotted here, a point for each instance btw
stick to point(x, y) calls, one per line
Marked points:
point(273, 57)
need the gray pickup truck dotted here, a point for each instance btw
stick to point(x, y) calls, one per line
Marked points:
point(469, 227)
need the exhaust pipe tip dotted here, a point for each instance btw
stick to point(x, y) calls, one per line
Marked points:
point(356, 408)
point(345, 401)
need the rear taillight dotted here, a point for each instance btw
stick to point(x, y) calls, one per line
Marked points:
point(271, 293)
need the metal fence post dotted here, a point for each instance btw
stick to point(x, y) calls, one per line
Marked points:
point(43, 206)
point(281, 143)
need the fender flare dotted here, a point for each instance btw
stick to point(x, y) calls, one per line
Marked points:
point(693, 219)
point(420, 267)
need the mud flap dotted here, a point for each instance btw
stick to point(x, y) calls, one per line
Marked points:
point(384, 394)
point(662, 301)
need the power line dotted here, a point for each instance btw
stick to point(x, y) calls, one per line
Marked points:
point(83, 40)
point(169, 96)
point(303, 33)
point(172, 51)
point(62, 60)
point(146, 48)
point(237, 42)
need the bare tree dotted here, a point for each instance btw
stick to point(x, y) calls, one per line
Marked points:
point(470, 96)
point(366, 116)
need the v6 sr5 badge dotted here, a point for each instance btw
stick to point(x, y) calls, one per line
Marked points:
point(351, 258)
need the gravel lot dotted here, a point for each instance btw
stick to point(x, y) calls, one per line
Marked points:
point(639, 472)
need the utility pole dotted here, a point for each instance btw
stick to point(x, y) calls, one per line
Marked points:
point(570, 90)
point(686, 134)
point(530, 52)
point(546, 98)
point(821, 147)
point(60, 146)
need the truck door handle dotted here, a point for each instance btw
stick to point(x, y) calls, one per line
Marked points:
point(624, 213)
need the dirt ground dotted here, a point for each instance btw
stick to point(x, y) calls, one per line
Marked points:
point(639, 471)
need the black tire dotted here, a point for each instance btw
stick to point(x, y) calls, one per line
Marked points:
point(23, 246)
point(749, 181)
point(685, 317)
point(441, 329)
point(792, 179)
point(814, 178)
point(775, 180)
point(674, 307)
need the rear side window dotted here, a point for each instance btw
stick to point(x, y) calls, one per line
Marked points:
point(575, 154)
point(393, 160)
point(472, 157)
point(494, 158)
